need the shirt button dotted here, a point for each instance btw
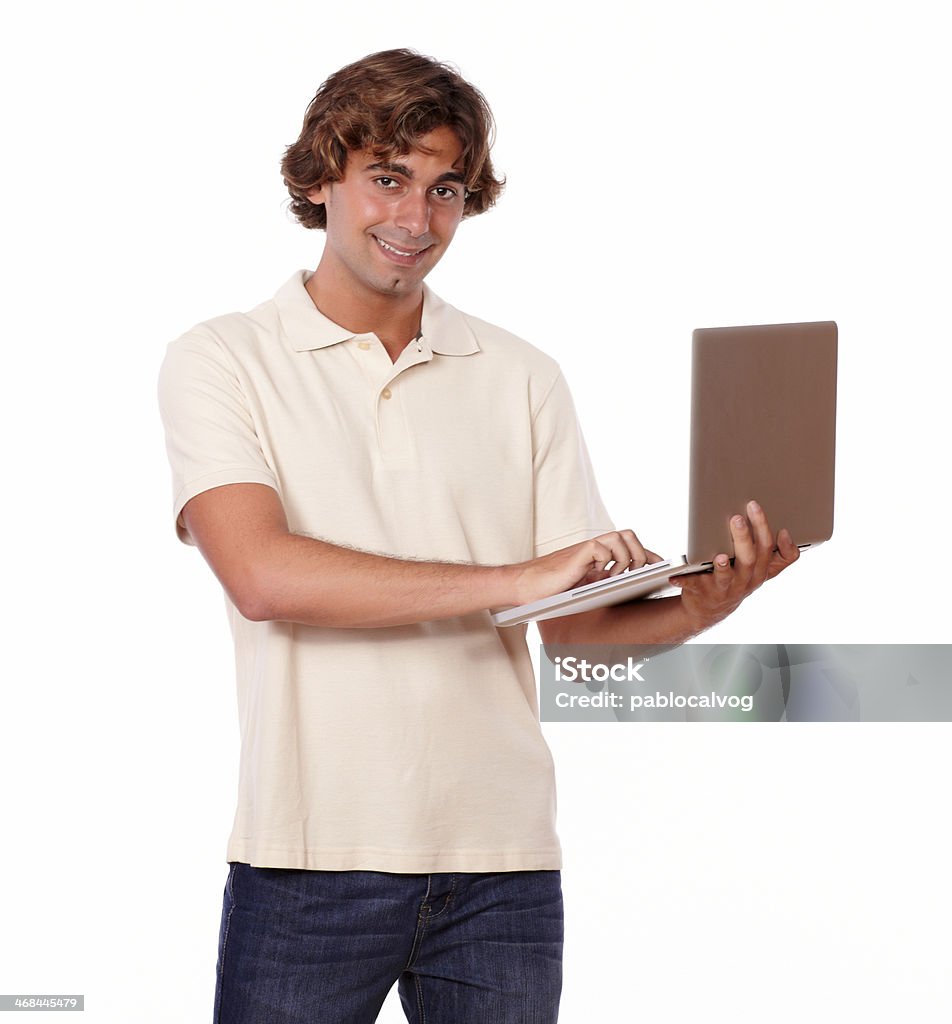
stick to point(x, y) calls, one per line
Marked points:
point(363, 344)
point(386, 393)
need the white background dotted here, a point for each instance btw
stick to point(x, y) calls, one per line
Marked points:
point(670, 166)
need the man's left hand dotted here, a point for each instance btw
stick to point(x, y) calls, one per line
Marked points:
point(709, 597)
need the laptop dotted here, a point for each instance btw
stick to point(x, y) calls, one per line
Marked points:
point(763, 425)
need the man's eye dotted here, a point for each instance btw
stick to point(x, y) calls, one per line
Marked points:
point(387, 183)
point(444, 192)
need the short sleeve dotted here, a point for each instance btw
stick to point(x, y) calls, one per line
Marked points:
point(568, 507)
point(209, 431)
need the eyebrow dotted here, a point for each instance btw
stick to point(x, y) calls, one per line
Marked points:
point(405, 172)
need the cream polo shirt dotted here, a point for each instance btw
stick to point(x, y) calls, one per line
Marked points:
point(406, 749)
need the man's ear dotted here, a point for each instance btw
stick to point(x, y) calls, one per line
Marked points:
point(317, 195)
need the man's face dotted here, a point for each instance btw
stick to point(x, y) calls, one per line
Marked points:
point(390, 221)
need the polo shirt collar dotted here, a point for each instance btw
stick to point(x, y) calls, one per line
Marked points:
point(445, 329)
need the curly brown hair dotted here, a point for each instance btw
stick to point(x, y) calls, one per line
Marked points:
point(386, 103)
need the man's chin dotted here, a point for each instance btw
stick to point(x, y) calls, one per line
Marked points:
point(400, 282)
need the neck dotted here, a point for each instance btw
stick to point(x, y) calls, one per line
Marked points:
point(393, 318)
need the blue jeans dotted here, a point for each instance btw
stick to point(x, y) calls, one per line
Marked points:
point(325, 947)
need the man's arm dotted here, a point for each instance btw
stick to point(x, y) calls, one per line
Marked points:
point(706, 598)
point(272, 574)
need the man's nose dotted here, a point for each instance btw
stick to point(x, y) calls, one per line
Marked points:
point(413, 213)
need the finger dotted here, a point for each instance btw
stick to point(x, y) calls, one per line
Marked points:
point(601, 554)
point(637, 555)
point(745, 552)
point(652, 556)
point(610, 551)
point(618, 551)
point(692, 582)
point(786, 546)
point(763, 538)
point(786, 554)
point(723, 573)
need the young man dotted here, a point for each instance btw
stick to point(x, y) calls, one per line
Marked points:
point(367, 470)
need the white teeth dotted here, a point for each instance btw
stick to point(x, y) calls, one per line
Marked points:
point(394, 249)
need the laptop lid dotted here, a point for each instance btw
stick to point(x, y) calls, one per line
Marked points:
point(763, 425)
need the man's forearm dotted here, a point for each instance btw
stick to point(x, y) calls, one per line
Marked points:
point(315, 583)
point(660, 622)
point(272, 573)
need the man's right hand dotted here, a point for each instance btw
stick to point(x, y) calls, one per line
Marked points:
point(586, 562)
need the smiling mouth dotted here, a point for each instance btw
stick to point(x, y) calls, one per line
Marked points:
point(412, 254)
